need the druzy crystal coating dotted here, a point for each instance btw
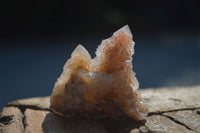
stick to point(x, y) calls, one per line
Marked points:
point(104, 86)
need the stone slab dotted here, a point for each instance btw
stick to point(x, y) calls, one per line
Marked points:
point(34, 120)
point(11, 120)
point(190, 118)
point(157, 123)
point(174, 110)
point(165, 99)
point(37, 102)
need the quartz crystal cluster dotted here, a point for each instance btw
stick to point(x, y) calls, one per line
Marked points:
point(104, 86)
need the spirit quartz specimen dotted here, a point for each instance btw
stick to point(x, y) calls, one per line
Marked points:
point(105, 86)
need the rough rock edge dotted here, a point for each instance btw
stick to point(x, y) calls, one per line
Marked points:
point(36, 107)
point(11, 120)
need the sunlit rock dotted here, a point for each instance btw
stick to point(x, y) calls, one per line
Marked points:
point(105, 86)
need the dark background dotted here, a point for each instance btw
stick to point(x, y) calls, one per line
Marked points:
point(38, 36)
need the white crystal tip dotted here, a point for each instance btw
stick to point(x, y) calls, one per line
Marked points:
point(125, 29)
point(79, 50)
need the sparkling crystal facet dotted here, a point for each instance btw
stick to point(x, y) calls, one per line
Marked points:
point(105, 86)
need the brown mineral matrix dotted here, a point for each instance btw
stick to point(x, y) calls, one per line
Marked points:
point(105, 86)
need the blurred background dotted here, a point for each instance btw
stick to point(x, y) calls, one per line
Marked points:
point(38, 36)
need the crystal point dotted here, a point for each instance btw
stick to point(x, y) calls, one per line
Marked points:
point(105, 86)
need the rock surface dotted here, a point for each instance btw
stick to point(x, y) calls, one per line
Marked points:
point(171, 110)
point(189, 118)
point(11, 120)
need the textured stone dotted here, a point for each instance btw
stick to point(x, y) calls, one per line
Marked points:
point(135, 131)
point(105, 86)
point(165, 99)
point(198, 111)
point(144, 129)
point(38, 102)
point(11, 120)
point(34, 120)
point(157, 123)
point(57, 124)
point(176, 119)
point(156, 99)
point(45, 121)
point(190, 118)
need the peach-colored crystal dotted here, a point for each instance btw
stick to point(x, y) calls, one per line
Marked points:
point(105, 86)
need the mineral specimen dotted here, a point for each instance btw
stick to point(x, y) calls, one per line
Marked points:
point(105, 86)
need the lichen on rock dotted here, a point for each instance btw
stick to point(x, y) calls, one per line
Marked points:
point(105, 86)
